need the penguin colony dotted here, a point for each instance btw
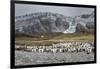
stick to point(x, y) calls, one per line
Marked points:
point(87, 47)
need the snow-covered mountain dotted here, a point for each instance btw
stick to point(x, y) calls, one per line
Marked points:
point(85, 22)
point(46, 22)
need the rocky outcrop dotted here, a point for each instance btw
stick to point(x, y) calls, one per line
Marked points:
point(81, 28)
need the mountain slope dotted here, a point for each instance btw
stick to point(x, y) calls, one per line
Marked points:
point(41, 23)
point(46, 22)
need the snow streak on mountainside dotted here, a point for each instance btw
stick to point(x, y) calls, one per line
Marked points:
point(71, 28)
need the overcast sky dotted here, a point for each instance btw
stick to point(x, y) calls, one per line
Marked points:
point(22, 9)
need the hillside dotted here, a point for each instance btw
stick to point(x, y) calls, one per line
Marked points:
point(46, 22)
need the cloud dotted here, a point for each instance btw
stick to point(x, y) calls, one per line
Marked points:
point(21, 9)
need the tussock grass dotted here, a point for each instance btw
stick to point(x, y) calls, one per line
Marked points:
point(49, 40)
point(36, 43)
point(75, 37)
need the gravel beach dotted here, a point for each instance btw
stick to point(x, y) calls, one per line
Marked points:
point(33, 58)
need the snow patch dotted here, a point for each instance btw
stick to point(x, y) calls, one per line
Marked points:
point(71, 29)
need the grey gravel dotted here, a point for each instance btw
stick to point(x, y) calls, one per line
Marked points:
point(33, 58)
